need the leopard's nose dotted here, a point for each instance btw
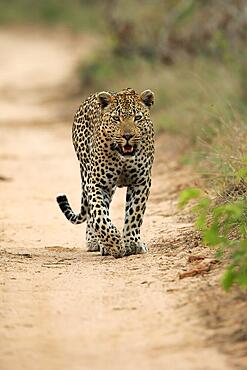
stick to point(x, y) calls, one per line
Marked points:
point(127, 136)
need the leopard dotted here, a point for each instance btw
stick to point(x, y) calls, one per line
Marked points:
point(113, 138)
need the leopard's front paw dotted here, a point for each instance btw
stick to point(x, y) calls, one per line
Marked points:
point(141, 248)
point(135, 248)
point(92, 246)
point(117, 251)
point(103, 251)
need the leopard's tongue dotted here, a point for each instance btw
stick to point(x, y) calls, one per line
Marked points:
point(128, 149)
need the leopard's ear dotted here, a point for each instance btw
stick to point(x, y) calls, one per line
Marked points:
point(147, 97)
point(104, 98)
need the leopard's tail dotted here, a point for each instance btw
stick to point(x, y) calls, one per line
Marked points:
point(67, 211)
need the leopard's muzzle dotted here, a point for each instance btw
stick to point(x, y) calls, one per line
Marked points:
point(126, 146)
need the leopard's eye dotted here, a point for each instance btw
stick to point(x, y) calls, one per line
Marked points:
point(138, 116)
point(116, 117)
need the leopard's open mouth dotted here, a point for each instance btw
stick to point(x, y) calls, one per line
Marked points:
point(126, 150)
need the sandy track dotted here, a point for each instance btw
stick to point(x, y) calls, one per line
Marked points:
point(61, 307)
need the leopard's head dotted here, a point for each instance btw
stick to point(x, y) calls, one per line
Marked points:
point(125, 118)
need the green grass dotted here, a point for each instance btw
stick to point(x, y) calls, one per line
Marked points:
point(75, 14)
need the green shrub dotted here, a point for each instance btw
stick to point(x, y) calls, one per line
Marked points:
point(223, 227)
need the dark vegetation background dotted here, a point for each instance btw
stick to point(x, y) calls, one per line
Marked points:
point(192, 54)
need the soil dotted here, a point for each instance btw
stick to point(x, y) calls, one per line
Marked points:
point(62, 307)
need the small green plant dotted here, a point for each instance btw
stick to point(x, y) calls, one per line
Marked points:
point(225, 228)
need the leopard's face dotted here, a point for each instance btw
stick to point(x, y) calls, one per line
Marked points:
point(125, 119)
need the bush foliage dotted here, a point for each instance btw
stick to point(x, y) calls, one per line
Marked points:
point(223, 227)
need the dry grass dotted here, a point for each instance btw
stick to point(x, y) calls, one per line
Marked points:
point(224, 159)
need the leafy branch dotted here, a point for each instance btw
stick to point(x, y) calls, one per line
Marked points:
point(223, 227)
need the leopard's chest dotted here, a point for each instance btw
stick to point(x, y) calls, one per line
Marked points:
point(134, 172)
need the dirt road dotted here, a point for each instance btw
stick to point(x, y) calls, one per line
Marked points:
point(61, 307)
